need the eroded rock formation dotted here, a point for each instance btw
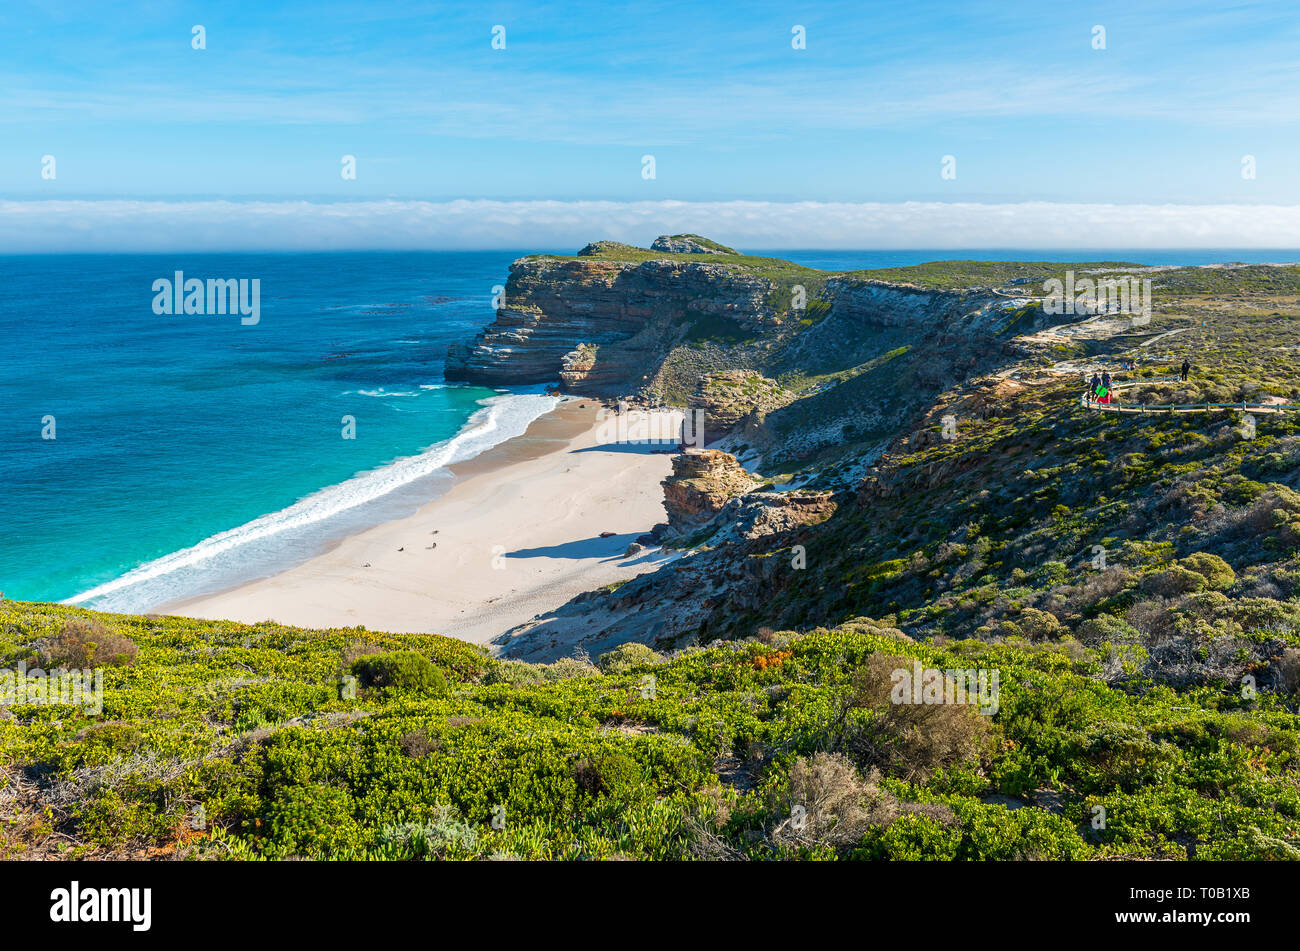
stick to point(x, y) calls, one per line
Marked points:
point(703, 481)
point(729, 397)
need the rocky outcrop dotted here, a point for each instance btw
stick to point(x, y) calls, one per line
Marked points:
point(730, 397)
point(703, 481)
point(769, 513)
point(689, 244)
point(687, 595)
point(604, 327)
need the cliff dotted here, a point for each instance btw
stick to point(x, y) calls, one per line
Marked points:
point(693, 323)
point(604, 327)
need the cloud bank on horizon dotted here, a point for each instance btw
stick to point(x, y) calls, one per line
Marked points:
point(988, 102)
point(167, 226)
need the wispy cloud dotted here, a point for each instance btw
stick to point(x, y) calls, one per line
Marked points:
point(57, 226)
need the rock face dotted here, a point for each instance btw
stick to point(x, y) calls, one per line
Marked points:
point(703, 481)
point(768, 513)
point(729, 397)
point(689, 244)
point(603, 327)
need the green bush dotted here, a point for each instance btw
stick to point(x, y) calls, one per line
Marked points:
point(312, 821)
point(401, 670)
point(1038, 625)
point(610, 775)
point(514, 673)
point(1217, 573)
point(1106, 627)
point(626, 656)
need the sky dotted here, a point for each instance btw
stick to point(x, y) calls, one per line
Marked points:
point(944, 123)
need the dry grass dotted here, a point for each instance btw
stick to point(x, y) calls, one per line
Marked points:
point(829, 803)
point(85, 643)
point(912, 741)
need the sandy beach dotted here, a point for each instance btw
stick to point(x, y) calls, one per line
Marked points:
point(518, 534)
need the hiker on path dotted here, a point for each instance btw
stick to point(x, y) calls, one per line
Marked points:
point(1105, 379)
point(1092, 386)
point(1186, 369)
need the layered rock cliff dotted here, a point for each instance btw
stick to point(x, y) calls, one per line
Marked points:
point(603, 327)
point(786, 361)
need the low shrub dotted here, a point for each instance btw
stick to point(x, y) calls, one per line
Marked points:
point(86, 643)
point(626, 656)
point(611, 775)
point(910, 740)
point(1174, 581)
point(827, 803)
point(1106, 627)
point(400, 670)
point(1218, 574)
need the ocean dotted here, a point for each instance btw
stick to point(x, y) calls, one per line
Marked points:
point(193, 452)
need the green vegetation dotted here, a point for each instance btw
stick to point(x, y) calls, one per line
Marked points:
point(953, 275)
point(402, 671)
point(717, 327)
point(778, 270)
point(697, 756)
point(1133, 582)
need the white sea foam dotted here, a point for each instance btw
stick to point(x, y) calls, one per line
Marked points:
point(270, 543)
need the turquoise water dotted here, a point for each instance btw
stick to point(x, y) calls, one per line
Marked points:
point(192, 452)
point(172, 430)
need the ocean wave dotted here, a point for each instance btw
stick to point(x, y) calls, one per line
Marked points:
point(382, 392)
point(261, 547)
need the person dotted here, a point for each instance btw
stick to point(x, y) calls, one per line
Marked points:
point(1092, 386)
point(1186, 369)
point(1105, 379)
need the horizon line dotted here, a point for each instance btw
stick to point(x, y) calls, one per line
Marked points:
point(54, 225)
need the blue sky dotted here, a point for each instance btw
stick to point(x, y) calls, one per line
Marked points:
point(714, 91)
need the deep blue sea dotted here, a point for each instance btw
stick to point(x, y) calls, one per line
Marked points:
point(193, 452)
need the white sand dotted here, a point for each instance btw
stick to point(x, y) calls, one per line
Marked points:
point(517, 535)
